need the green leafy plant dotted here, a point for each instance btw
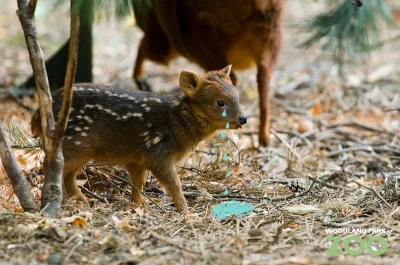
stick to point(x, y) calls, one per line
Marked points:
point(347, 30)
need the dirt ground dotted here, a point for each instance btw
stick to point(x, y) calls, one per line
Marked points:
point(334, 162)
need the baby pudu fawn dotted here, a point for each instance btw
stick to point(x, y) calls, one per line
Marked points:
point(144, 131)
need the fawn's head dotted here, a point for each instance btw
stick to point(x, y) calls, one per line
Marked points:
point(212, 94)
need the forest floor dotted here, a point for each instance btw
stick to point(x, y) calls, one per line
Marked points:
point(333, 162)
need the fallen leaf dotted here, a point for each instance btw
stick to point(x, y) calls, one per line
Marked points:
point(76, 221)
point(300, 260)
point(136, 251)
point(316, 109)
point(123, 224)
point(139, 211)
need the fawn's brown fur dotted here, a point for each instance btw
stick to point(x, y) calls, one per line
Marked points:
point(214, 33)
point(144, 131)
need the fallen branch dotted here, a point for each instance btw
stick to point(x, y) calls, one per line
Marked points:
point(173, 242)
point(285, 198)
point(14, 173)
point(374, 191)
point(368, 148)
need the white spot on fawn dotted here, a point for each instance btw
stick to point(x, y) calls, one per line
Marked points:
point(148, 144)
point(77, 142)
point(78, 129)
point(156, 100)
point(79, 117)
point(88, 106)
point(144, 133)
point(86, 128)
point(68, 137)
point(83, 134)
point(156, 139)
point(147, 109)
point(143, 105)
point(148, 125)
point(88, 119)
point(137, 114)
point(81, 111)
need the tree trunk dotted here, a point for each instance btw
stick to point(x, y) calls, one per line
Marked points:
point(14, 173)
point(54, 164)
point(56, 65)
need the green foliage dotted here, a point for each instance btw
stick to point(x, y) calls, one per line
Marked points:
point(347, 30)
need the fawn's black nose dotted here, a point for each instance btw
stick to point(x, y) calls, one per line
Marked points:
point(242, 120)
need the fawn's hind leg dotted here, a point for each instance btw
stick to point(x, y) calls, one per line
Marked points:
point(70, 188)
point(169, 179)
point(137, 175)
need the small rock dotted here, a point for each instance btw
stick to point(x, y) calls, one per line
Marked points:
point(255, 233)
point(54, 258)
point(305, 126)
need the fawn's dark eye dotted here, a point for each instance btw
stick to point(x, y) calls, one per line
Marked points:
point(220, 103)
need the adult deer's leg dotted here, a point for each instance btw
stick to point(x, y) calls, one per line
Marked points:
point(263, 82)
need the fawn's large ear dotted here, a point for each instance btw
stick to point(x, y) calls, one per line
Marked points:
point(188, 82)
point(227, 70)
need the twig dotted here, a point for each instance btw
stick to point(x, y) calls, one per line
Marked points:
point(16, 99)
point(192, 169)
point(14, 173)
point(69, 77)
point(298, 135)
point(279, 231)
point(374, 191)
point(357, 124)
point(369, 148)
point(170, 241)
point(286, 144)
point(94, 195)
point(269, 200)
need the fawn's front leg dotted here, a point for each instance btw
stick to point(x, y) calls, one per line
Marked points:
point(169, 179)
point(70, 188)
point(138, 176)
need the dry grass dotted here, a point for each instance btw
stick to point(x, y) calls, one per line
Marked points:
point(335, 146)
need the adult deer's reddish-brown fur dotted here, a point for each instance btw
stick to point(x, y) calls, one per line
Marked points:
point(214, 33)
point(144, 131)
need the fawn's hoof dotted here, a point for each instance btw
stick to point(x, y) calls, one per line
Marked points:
point(78, 197)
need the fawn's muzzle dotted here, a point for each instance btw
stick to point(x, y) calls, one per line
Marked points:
point(242, 119)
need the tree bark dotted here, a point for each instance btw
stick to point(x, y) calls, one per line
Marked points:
point(55, 163)
point(56, 64)
point(14, 173)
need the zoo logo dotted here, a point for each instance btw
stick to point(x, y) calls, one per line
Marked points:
point(333, 251)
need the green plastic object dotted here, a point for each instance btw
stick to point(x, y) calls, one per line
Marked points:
point(225, 209)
